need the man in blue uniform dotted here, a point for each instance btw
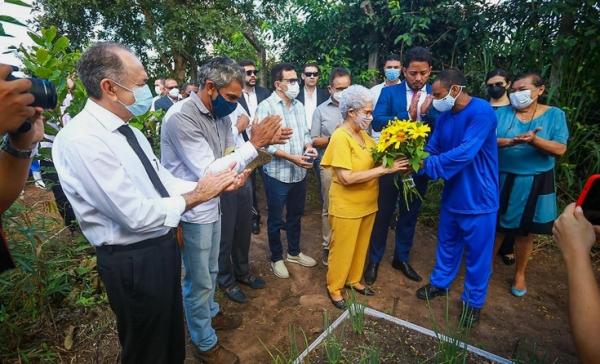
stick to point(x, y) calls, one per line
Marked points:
point(464, 153)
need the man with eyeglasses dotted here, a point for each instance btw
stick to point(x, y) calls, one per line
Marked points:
point(311, 95)
point(252, 96)
point(285, 175)
point(325, 120)
point(171, 96)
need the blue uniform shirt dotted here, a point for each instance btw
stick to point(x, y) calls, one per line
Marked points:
point(464, 153)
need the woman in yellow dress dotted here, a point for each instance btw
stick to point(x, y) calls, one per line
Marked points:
point(353, 194)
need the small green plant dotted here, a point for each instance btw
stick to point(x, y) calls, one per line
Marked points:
point(288, 356)
point(356, 310)
point(370, 355)
point(333, 349)
point(54, 273)
point(450, 340)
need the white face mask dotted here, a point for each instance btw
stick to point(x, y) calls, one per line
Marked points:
point(447, 102)
point(157, 90)
point(363, 121)
point(337, 96)
point(292, 90)
point(174, 93)
point(520, 99)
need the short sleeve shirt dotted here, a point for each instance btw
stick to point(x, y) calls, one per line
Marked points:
point(525, 159)
point(356, 200)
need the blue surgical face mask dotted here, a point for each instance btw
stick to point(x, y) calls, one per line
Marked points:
point(222, 107)
point(143, 99)
point(392, 74)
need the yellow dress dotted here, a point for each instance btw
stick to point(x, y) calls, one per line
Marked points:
point(351, 210)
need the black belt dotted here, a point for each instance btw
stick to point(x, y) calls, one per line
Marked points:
point(110, 248)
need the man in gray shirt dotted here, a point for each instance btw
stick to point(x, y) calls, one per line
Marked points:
point(196, 138)
point(326, 119)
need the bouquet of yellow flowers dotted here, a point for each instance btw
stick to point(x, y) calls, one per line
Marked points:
point(403, 138)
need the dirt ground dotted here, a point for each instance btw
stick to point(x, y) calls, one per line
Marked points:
point(537, 321)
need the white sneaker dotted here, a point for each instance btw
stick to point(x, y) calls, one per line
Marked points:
point(280, 269)
point(303, 260)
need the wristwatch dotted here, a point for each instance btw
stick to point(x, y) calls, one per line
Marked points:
point(8, 148)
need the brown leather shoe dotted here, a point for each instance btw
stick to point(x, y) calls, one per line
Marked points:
point(226, 322)
point(217, 355)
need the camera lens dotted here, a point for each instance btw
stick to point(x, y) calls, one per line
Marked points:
point(44, 93)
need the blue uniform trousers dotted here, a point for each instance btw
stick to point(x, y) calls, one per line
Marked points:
point(390, 197)
point(474, 235)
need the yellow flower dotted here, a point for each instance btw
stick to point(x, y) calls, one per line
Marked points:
point(419, 131)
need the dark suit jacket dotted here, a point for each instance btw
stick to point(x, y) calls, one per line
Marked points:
point(261, 94)
point(392, 103)
point(322, 95)
point(164, 103)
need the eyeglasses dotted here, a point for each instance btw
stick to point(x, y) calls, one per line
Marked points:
point(339, 89)
point(311, 74)
point(497, 84)
point(171, 87)
point(291, 81)
point(252, 72)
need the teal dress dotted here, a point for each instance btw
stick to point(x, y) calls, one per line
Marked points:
point(527, 189)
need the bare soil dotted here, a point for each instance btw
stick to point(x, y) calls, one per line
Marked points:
point(393, 344)
point(508, 324)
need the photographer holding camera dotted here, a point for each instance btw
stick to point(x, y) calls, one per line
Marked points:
point(17, 147)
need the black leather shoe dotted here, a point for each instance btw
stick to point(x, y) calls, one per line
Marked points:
point(469, 317)
point(253, 282)
point(371, 273)
point(235, 294)
point(366, 291)
point(430, 292)
point(407, 270)
point(255, 227)
point(341, 304)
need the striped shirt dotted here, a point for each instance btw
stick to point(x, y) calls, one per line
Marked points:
point(295, 118)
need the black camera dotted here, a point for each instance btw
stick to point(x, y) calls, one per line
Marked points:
point(44, 94)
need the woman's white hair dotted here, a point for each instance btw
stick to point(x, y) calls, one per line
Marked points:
point(354, 97)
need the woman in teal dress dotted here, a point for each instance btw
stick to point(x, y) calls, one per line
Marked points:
point(531, 136)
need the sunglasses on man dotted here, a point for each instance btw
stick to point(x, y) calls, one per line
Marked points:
point(311, 74)
point(252, 73)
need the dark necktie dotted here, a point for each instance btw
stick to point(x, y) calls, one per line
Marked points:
point(135, 145)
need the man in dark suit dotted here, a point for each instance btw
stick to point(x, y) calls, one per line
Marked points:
point(172, 96)
point(411, 99)
point(312, 96)
point(252, 96)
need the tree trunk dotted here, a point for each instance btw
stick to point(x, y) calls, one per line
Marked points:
point(180, 64)
point(261, 52)
point(565, 29)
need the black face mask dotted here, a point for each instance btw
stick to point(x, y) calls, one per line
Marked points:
point(495, 92)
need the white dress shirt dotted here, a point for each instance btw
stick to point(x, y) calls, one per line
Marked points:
point(310, 105)
point(409, 95)
point(105, 181)
point(251, 101)
point(238, 139)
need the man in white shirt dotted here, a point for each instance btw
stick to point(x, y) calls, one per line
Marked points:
point(391, 72)
point(127, 204)
point(196, 137)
